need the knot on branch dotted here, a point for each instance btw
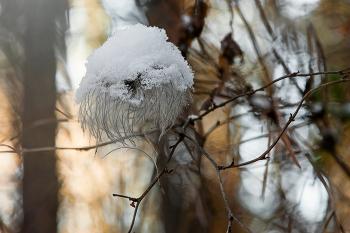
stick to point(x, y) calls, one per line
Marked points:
point(291, 118)
point(230, 217)
point(295, 74)
point(182, 136)
point(169, 171)
point(229, 166)
point(133, 199)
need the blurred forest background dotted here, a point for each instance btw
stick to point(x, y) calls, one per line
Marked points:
point(233, 47)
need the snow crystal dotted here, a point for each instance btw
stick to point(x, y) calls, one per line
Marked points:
point(139, 53)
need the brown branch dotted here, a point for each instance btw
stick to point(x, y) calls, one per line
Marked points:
point(139, 199)
point(331, 198)
point(8, 146)
point(217, 167)
point(273, 36)
point(324, 227)
point(64, 114)
point(264, 184)
point(253, 39)
point(86, 148)
point(229, 4)
point(320, 51)
point(291, 119)
point(295, 74)
point(268, 134)
point(219, 123)
point(123, 196)
point(340, 161)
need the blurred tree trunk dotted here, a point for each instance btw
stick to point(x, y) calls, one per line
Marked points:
point(40, 183)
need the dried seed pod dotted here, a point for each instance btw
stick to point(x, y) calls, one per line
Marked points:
point(135, 78)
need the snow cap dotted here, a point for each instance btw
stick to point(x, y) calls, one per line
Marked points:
point(129, 53)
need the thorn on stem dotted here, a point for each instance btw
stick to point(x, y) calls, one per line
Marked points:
point(132, 204)
point(294, 74)
point(233, 162)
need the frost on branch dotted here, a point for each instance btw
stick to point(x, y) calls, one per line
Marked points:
point(135, 77)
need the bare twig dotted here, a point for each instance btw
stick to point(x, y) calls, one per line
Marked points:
point(255, 44)
point(8, 146)
point(340, 161)
point(291, 119)
point(219, 123)
point(264, 184)
point(86, 148)
point(217, 167)
point(139, 199)
point(229, 4)
point(273, 36)
point(295, 74)
point(65, 114)
point(331, 198)
point(190, 121)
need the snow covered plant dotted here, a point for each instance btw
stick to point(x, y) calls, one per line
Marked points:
point(135, 78)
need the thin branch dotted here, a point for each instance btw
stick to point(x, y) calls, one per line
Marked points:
point(229, 4)
point(139, 199)
point(253, 39)
point(86, 148)
point(217, 167)
point(331, 198)
point(8, 146)
point(291, 119)
point(324, 227)
point(123, 196)
point(295, 74)
point(264, 184)
point(269, 133)
point(65, 114)
point(340, 161)
point(273, 36)
point(219, 123)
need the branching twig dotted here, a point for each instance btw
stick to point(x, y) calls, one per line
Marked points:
point(139, 199)
point(217, 168)
point(295, 74)
point(291, 119)
point(273, 36)
point(255, 44)
point(190, 121)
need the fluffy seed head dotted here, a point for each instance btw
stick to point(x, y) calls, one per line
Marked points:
point(135, 78)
